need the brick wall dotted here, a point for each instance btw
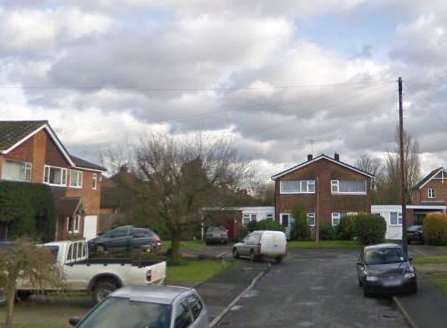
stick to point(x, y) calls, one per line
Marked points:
point(421, 195)
point(323, 171)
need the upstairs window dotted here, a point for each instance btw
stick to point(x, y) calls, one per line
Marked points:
point(431, 193)
point(17, 171)
point(94, 181)
point(348, 187)
point(55, 176)
point(76, 178)
point(297, 187)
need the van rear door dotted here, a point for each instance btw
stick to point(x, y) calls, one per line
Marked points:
point(273, 243)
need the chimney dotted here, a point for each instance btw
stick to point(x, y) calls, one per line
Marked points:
point(309, 157)
point(337, 157)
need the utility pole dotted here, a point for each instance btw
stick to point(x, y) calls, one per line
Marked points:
point(403, 184)
point(317, 212)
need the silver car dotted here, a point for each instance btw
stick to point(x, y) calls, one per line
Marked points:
point(147, 307)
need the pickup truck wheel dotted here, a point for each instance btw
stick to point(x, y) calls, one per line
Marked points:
point(102, 289)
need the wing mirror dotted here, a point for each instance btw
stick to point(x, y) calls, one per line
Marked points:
point(74, 321)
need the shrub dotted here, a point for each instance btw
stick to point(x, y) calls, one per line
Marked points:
point(251, 226)
point(369, 229)
point(300, 228)
point(269, 224)
point(326, 232)
point(435, 229)
point(345, 230)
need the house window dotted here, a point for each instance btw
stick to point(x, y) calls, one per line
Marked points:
point(73, 223)
point(395, 218)
point(94, 181)
point(269, 216)
point(76, 178)
point(55, 176)
point(348, 187)
point(336, 217)
point(431, 193)
point(310, 219)
point(285, 219)
point(297, 187)
point(17, 171)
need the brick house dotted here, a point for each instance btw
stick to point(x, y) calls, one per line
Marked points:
point(30, 151)
point(327, 188)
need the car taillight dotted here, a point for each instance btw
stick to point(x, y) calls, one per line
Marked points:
point(149, 275)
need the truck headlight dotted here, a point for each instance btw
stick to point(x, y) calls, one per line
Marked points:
point(409, 275)
point(372, 278)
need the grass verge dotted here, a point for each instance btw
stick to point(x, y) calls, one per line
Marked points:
point(193, 245)
point(325, 244)
point(440, 281)
point(422, 260)
point(196, 271)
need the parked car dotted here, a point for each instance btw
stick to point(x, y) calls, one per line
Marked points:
point(383, 269)
point(99, 277)
point(262, 244)
point(152, 307)
point(415, 233)
point(125, 237)
point(216, 234)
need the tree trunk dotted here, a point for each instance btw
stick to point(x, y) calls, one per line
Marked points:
point(10, 299)
point(175, 248)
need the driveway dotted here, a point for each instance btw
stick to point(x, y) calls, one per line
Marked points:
point(312, 288)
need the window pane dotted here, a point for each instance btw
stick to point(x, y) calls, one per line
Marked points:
point(393, 218)
point(352, 186)
point(311, 186)
point(310, 219)
point(16, 171)
point(289, 186)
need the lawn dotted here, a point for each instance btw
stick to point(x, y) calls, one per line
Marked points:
point(435, 268)
point(422, 260)
point(195, 272)
point(347, 244)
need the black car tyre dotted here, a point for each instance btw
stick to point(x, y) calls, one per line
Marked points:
point(23, 295)
point(366, 293)
point(102, 289)
point(360, 283)
point(235, 253)
point(278, 259)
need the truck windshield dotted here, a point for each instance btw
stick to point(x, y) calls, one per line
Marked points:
point(117, 312)
point(383, 256)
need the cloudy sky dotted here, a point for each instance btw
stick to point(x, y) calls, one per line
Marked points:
point(280, 78)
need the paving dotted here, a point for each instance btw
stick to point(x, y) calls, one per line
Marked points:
point(209, 252)
point(220, 290)
point(312, 288)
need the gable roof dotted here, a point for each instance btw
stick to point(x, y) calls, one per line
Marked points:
point(14, 133)
point(428, 177)
point(318, 158)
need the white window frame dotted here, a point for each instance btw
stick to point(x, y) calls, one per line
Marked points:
point(94, 181)
point(335, 189)
point(308, 183)
point(27, 167)
point(431, 193)
point(245, 218)
point(335, 216)
point(308, 216)
point(80, 178)
point(64, 174)
point(398, 217)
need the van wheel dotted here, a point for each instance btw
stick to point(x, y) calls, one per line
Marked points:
point(252, 256)
point(102, 289)
point(101, 249)
point(235, 253)
point(278, 259)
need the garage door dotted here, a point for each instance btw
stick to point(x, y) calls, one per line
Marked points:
point(90, 226)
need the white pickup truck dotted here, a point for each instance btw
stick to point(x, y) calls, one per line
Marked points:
point(100, 277)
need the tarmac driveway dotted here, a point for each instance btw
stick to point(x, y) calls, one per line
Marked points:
point(312, 288)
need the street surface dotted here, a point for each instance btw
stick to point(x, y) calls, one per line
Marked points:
point(312, 288)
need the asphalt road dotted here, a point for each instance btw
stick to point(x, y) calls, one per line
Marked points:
point(312, 288)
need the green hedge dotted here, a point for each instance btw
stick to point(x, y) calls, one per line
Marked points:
point(369, 229)
point(345, 230)
point(268, 224)
point(435, 229)
point(28, 210)
point(327, 232)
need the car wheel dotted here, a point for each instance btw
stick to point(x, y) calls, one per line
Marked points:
point(235, 253)
point(414, 290)
point(102, 289)
point(366, 293)
point(23, 295)
point(360, 283)
point(101, 249)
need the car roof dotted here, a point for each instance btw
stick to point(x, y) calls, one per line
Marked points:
point(152, 293)
point(383, 245)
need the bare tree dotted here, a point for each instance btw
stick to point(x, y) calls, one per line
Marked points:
point(115, 157)
point(392, 168)
point(183, 176)
point(25, 262)
point(369, 164)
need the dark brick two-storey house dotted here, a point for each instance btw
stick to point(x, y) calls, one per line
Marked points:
point(30, 151)
point(327, 188)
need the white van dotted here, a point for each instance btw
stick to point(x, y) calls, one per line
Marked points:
point(262, 244)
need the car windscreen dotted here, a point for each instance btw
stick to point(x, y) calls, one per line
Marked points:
point(383, 256)
point(116, 312)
